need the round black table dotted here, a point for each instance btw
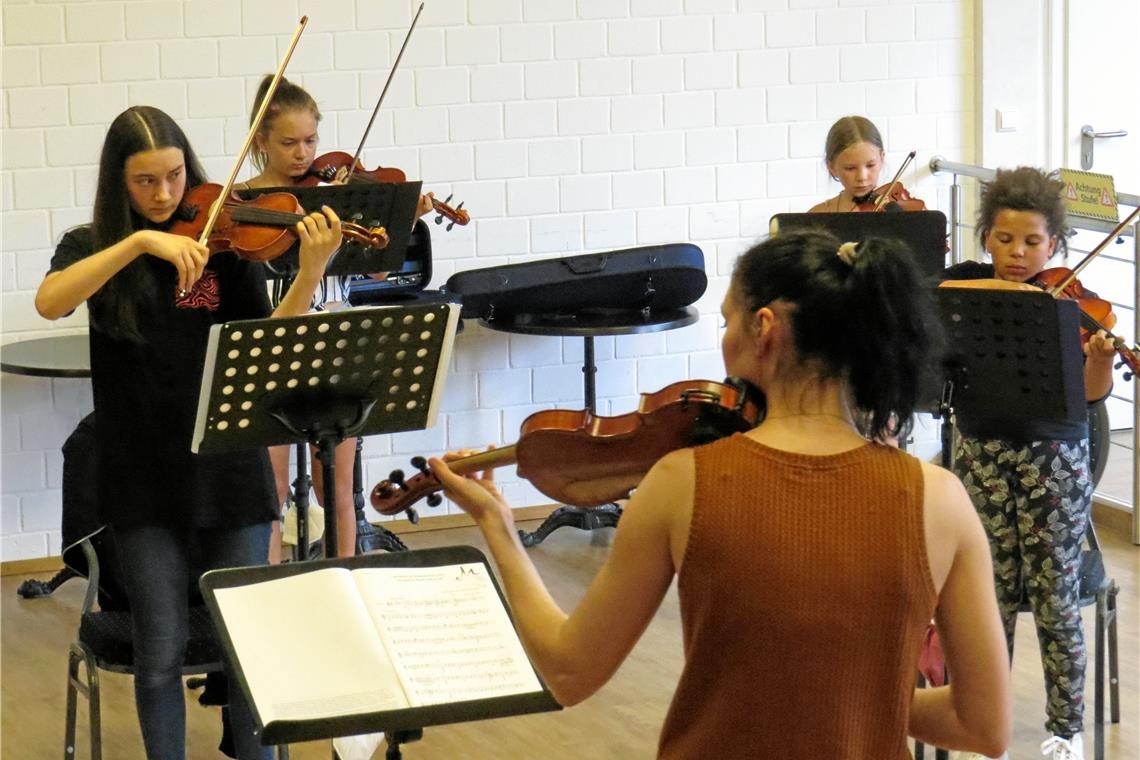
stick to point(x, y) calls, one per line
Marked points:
point(57, 356)
point(588, 325)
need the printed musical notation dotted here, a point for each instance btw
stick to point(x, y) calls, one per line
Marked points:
point(447, 633)
point(405, 637)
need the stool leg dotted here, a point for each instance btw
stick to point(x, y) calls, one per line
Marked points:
point(1113, 655)
point(1098, 689)
point(72, 702)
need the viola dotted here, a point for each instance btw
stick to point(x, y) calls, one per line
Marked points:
point(257, 230)
point(577, 458)
point(336, 167)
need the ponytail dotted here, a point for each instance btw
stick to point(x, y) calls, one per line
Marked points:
point(862, 312)
point(287, 97)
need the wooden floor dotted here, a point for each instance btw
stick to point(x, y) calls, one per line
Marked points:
point(622, 721)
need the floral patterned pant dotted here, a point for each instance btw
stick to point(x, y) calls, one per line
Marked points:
point(1034, 501)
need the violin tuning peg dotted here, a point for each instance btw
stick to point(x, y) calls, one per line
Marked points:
point(439, 219)
point(448, 227)
point(448, 198)
point(420, 463)
point(460, 206)
point(397, 477)
point(434, 500)
point(413, 518)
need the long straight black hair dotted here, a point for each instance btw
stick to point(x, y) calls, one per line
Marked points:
point(117, 308)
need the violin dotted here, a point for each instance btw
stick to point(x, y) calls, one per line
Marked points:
point(577, 458)
point(1095, 313)
point(891, 196)
point(338, 166)
point(257, 230)
point(332, 166)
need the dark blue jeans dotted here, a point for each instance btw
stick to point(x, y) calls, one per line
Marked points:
point(159, 565)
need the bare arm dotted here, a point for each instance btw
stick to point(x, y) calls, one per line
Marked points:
point(974, 711)
point(576, 654)
point(61, 292)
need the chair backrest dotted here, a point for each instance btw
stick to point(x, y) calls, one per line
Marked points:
point(81, 523)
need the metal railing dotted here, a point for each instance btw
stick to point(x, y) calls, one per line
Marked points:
point(939, 165)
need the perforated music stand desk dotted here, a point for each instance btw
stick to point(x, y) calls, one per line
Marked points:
point(370, 204)
point(323, 377)
point(589, 324)
point(1012, 356)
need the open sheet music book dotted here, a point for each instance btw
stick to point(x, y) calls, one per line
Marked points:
point(384, 647)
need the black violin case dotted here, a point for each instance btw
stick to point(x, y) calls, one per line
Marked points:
point(656, 277)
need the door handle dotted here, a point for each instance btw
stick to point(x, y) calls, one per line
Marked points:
point(1088, 135)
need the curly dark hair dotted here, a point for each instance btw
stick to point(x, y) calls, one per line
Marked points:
point(871, 322)
point(1024, 189)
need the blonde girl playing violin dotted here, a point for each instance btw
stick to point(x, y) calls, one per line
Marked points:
point(284, 149)
point(1031, 482)
point(153, 297)
point(854, 156)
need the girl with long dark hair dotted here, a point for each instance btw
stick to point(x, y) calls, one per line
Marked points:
point(153, 297)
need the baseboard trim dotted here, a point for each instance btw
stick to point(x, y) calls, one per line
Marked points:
point(1113, 518)
point(441, 522)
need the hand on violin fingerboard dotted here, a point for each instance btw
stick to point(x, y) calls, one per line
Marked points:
point(320, 235)
point(424, 205)
point(476, 493)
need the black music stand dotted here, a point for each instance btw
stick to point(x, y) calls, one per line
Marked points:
point(1012, 356)
point(321, 378)
point(924, 232)
point(246, 653)
point(370, 204)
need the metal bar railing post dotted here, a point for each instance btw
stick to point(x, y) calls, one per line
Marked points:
point(955, 222)
point(1135, 389)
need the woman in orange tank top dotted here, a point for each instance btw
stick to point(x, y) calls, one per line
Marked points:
point(809, 557)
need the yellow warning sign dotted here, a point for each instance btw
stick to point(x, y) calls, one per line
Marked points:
point(1088, 195)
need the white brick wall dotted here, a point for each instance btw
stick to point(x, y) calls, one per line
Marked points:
point(565, 126)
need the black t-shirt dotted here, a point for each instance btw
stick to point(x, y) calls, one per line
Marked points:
point(146, 397)
point(1019, 430)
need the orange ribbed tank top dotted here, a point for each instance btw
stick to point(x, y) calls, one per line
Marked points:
point(805, 591)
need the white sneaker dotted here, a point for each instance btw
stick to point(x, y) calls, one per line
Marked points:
point(1058, 748)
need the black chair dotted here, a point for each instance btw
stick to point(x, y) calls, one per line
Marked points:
point(104, 640)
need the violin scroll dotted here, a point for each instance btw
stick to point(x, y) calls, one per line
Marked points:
point(456, 215)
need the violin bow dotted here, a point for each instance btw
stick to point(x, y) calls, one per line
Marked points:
point(380, 100)
point(216, 209)
point(1094, 253)
point(890, 188)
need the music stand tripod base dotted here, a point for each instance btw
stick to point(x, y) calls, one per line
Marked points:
point(588, 325)
point(321, 378)
point(605, 516)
